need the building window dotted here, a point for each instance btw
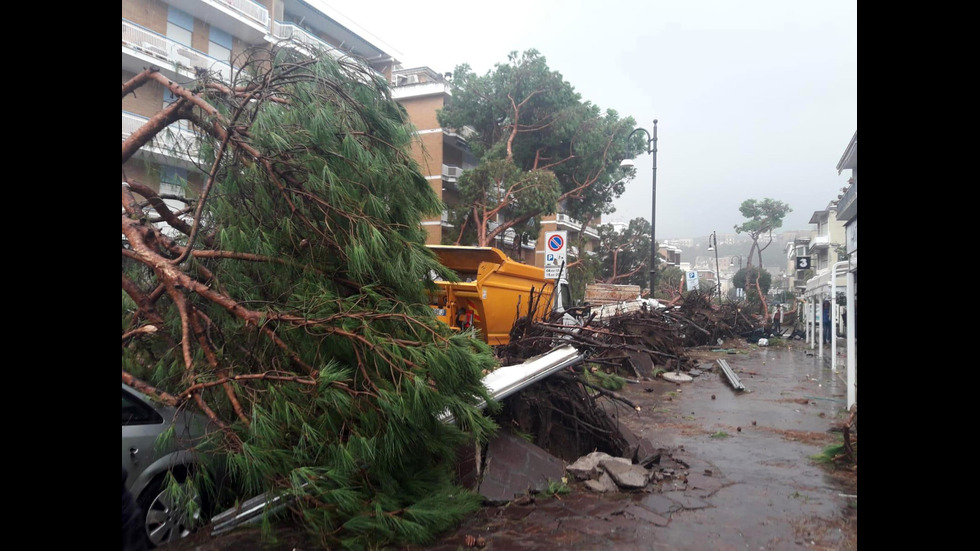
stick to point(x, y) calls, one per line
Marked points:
point(219, 45)
point(181, 125)
point(180, 26)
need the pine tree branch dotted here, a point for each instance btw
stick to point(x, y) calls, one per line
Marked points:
point(205, 345)
point(148, 389)
point(162, 209)
point(268, 376)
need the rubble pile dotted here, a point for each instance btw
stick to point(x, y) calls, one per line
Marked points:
point(637, 344)
point(566, 413)
point(603, 473)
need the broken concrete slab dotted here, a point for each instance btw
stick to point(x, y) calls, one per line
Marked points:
point(660, 504)
point(632, 441)
point(642, 362)
point(604, 484)
point(646, 515)
point(687, 501)
point(640, 449)
point(647, 453)
point(587, 466)
point(515, 467)
point(627, 476)
point(700, 481)
point(603, 509)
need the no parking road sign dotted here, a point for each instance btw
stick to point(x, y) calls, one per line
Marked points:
point(554, 253)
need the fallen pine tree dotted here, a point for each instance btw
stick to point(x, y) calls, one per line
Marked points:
point(286, 302)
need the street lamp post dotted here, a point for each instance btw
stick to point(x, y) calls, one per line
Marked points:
point(651, 147)
point(713, 245)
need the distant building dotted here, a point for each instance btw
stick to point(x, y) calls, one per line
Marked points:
point(671, 254)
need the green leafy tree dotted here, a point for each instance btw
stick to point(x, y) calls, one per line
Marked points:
point(751, 274)
point(625, 256)
point(290, 306)
point(763, 217)
point(540, 148)
point(671, 281)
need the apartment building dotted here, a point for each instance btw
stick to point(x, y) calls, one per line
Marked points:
point(796, 249)
point(442, 153)
point(847, 212)
point(181, 37)
point(823, 248)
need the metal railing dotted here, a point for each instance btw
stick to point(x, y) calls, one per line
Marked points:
point(287, 31)
point(312, 43)
point(177, 141)
point(568, 221)
point(252, 10)
point(576, 225)
point(147, 42)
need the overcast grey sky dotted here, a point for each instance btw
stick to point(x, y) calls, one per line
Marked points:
point(754, 98)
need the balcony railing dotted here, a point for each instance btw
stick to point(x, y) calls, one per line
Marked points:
point(183, 58)
point(847, 205)
point(575, 225)
point(177, 142)
point(819, 242)
point(288, 31)
point(312, 43)
point(568, 221)
point(252, 10)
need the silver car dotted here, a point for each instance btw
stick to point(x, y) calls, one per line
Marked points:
point(148, 462)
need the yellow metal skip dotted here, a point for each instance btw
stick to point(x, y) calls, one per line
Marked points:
point(495, 290)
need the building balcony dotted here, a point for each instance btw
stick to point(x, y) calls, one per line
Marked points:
point(419, 89)
point(176, 145)
point(444, 220)
point(309, 44)
point(565, 221)
point(568, 222)
point(142, 47)
point(451, 173)
point(847, 205)
point(818, 242)
point(245, 19)
point(508, 240)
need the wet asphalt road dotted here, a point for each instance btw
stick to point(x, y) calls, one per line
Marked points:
point(745, 480)
point(741, 473)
